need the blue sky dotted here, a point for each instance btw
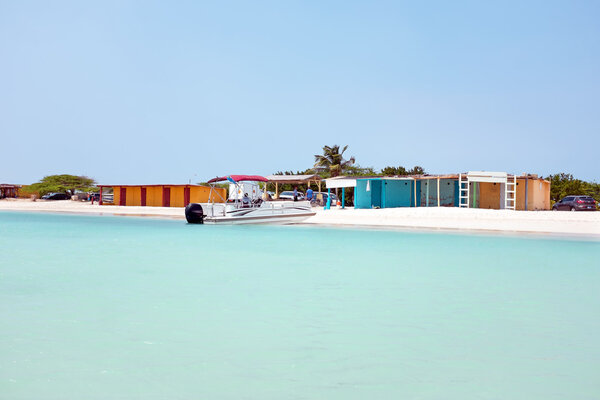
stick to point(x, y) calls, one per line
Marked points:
point(164, 92)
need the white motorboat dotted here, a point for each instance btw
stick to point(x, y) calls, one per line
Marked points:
point(246, 205)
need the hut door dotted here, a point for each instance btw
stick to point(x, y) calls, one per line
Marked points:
point(186, 196)
point(123, 197)
point(143, 196)
point(166, 197)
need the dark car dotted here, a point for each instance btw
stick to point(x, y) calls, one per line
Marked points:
point(56, 196)
point(575, 203)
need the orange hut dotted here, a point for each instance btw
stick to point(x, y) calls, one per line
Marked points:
point(160, 195)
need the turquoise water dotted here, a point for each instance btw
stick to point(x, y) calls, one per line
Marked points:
point(128, 308)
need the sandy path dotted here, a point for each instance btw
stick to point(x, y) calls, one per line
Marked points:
point(561, 223)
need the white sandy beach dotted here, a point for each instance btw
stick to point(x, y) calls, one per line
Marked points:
point(431, 218)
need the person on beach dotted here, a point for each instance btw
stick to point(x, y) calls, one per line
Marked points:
point(309, 194)
point(295, 193)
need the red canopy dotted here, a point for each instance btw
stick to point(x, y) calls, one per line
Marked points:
point(239, 178)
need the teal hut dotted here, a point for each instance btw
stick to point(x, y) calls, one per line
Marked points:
point(387, 193)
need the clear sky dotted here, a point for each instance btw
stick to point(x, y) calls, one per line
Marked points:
point(164, 92)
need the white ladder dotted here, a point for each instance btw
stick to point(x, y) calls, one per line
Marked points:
point(463, 187)
point(510, 193)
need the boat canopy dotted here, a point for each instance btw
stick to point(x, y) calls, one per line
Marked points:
point(239, 178)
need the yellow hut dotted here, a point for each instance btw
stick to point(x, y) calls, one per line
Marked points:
point(161, 195)
point(499, 190)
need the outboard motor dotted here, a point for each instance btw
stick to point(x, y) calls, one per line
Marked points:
point(194, 213)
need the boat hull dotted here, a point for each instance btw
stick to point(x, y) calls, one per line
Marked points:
point(269, 212)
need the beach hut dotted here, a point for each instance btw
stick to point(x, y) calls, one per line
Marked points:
point(533, 193)
point(438, 190)
point(7, 190)
point(160, 195)
point(341, 182)
point(387, 192)
point(500, 190)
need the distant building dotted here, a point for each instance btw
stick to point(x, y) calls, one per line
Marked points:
point(7, 190)
point(160, 195)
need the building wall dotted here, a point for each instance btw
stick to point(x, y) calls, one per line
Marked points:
point(177, 196)
point(364, 198)
point(134, 196)
point(154, 196)
point(489, 195)
point(448, 192)
point(398, 193)
point(386, 193)
point(202, 194)
point(538, 194)
point(116, 195)
point(542, 195)
point(376, 185)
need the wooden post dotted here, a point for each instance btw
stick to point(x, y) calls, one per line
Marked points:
point(438, 191)
point(276, 190)
point(526, 184)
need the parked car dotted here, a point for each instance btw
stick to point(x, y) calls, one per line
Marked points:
point(289, 195)
point(56, 196)
point(320, 198)
point(575, 203)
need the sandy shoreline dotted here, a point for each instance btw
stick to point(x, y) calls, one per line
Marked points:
point(540, 222)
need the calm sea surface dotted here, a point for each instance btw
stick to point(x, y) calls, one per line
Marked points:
point(127, 308)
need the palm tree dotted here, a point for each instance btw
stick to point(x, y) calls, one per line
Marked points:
point(333, 160)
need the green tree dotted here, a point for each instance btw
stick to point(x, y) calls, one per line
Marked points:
point(563, 184)
point(332, 160)
point(357, 170)
point(68, 184)
point(401, 171)
point(416, 170)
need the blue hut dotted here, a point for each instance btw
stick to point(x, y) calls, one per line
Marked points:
point(387, 192)
point(417, 191)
